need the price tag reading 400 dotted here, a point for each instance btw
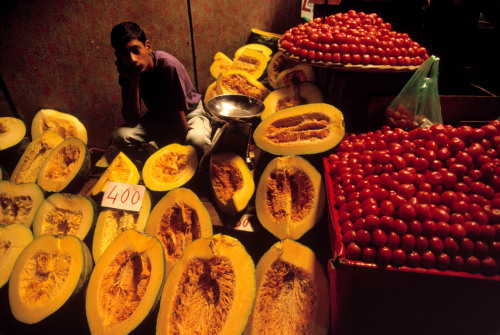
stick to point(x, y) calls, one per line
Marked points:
point(123, 196)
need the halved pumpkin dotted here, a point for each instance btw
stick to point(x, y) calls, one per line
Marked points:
point(126, 283)
point(178, 219)
point(255, 46)
point(278, 63)
point(13, 239)
point(210, 290)
point(250, 60)
point(300, 130)
point(290, 197)
point(19, 202)
point(12, 131)
point(66, 167)
point(297, 74)
point(220, 64)
point(65, 214)
point(232, 182)
point(49, 271)
point(30, 163)
point(111, 222)
point(290, 96)
point(266, 38)
point(170, 167)
point(241, 82)
point(121, 170)
point(292, 292)
point(64, 124)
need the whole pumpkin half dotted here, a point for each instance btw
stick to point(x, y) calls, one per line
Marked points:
point(125, 284)
point(301, 130)
point(210, 290)
point(49, 271)
point(290, 197)
point(292, 292)
point(170, 167)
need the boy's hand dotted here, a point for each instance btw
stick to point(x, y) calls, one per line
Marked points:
point(123, 71)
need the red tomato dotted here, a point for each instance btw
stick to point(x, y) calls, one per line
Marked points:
point(428, 259)
point(398, 257)
point(451, 246)
point(472, 264)
point(353, 251)
point(384, 256)
point(443, 261)
point(386, 223)
point(413, 259)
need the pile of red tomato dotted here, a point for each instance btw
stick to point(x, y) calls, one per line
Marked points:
point(427, 198)
point(352, 38)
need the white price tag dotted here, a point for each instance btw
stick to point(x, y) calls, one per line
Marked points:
point(244, 223)
point(123, 196)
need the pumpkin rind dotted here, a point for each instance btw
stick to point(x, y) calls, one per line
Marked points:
point(241, 82)
point(12, 131)
point(66, 167)
point(64, 124)
point(178, 219)
point(301, 130)
point(126, 284)
point(264, 37)
point(13, 239)
point(121, 170)
point(292, 292)
point(65, 214)
point(210, 290)
point(231, 181)
point(290, 96)
point(19, 202)
point(49, 271)
point(111, 222)
point(297, 74)
point(30, 163)
point(290, 197)
point(170, 167)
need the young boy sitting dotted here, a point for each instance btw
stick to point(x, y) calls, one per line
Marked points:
point(175, 111)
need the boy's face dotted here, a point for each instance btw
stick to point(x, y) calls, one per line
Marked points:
point(135, 56)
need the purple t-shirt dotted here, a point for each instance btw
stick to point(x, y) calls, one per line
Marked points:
point(167, 89)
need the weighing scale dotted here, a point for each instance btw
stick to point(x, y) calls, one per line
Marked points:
point(239, 112)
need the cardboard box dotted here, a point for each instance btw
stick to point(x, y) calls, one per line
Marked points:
point(368, 299)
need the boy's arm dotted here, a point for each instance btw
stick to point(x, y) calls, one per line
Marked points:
point(131, 101)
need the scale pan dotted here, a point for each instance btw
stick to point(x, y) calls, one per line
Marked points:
point(235, 107)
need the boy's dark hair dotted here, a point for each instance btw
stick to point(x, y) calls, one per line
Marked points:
point(125, 32)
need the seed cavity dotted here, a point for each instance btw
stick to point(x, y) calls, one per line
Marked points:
point(123, 286)
point(227, 180)
point(179, 226)
point(286, 302)
point(305, 127)
point(204, 296)
point(169, 167)
point(43, 277)
point(62, 221)
point(14, 208)
point(290, 194)
point(62, 164)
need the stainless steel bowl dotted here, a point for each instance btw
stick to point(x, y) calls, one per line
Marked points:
point(235, 107)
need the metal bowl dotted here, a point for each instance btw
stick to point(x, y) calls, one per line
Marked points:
point(235, 107)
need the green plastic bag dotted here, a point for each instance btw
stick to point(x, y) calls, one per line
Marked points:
point(417, 105)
